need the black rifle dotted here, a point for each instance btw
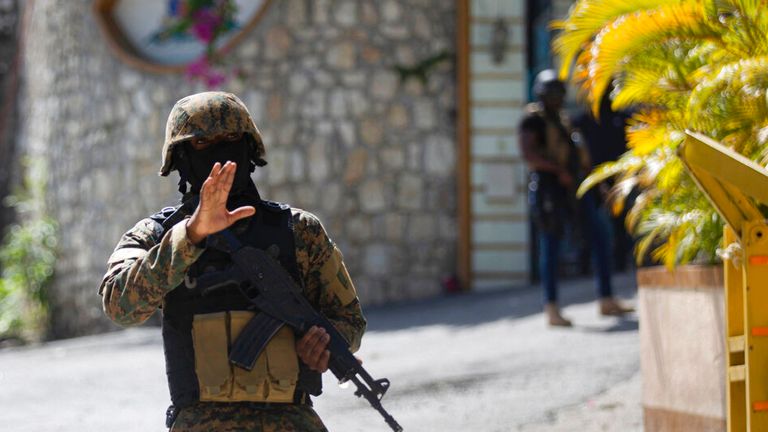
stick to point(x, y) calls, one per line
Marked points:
point(272, 291)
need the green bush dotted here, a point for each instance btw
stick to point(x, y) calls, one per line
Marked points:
point(27, 259)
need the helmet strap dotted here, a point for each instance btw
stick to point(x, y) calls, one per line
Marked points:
point(182, 185)
point(181, 162)
point(253, 160)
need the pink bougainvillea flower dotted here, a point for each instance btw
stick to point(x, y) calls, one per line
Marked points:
point(215, 79)
point(202, 70)
point(198, 68)
point(206, 22)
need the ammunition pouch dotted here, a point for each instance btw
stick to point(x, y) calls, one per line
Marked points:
point(273, 378)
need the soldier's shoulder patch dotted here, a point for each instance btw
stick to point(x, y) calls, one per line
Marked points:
point(145, 230)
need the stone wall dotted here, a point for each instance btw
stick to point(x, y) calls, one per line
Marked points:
point(372, 157)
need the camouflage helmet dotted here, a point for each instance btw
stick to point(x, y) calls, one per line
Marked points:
point(209, 114)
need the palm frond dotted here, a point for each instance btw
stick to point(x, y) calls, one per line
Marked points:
point(632, 34)
point(747, 24)
point(749, 76)
point(635, 214)
point(670, 175)
point(617, 197)
point(607, 170)
point(647, 132)
point(586, 19)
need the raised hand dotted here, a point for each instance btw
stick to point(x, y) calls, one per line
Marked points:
point(211, 214)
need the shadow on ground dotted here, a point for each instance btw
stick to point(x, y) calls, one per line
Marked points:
point(623, 325)
point(458, 310)
point(478, 308)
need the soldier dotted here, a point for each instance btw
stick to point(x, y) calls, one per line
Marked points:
point(556, 165)
point(212, 141)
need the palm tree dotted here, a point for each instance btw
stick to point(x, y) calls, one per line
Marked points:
point(681, 64)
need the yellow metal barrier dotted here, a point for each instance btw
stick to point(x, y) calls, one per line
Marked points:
point(732, 183)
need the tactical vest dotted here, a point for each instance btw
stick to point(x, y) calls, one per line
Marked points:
point(556, 145)
point(552, 206)
point(199, 327)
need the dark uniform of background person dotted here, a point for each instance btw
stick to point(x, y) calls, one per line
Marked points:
point(605, 138)
point(213, 142)
point(556, 166)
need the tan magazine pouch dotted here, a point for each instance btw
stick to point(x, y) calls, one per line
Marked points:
point(209, 336)
point(282, 365)
point(248, 385)
point(273, 377)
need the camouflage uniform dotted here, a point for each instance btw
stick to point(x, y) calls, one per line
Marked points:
point(149, 262)
point(144, 267)
point(226, 417)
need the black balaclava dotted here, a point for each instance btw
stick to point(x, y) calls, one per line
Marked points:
point(195, 165)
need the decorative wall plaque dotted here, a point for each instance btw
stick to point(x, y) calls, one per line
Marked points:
point(146, 33)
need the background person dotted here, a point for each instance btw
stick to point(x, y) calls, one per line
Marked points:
point(606, 140)
point(556, 165)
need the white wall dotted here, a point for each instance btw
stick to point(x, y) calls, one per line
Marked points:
point(498, 181)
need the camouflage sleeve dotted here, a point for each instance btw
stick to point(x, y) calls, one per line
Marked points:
point(145, 265)
point(327, 283)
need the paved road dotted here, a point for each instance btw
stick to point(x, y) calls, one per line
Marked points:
point(480, 362)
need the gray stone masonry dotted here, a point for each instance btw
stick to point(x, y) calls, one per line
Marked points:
point(372, 157)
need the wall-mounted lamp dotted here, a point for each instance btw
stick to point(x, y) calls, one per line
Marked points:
point(499, 38)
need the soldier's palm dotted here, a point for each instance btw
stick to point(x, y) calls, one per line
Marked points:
point(213, 199)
